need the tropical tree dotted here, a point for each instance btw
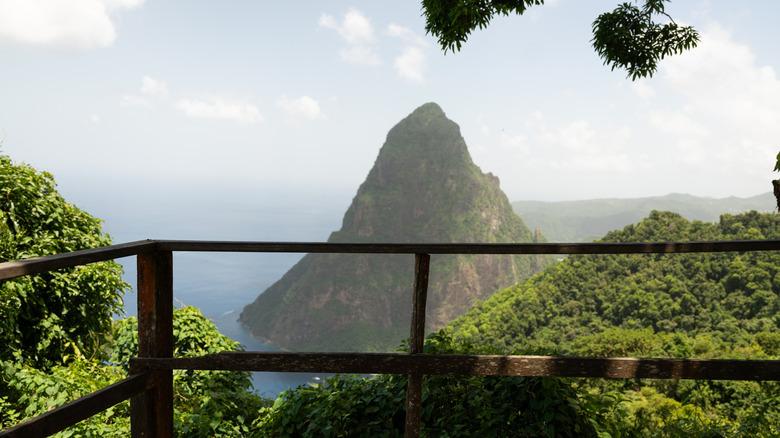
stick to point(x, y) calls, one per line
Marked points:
point(58, 336)
point(630, 37)
point(55, 317)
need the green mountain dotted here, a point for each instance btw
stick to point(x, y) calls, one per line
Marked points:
point(722, 299)
point(584, 221)
point(423, 187)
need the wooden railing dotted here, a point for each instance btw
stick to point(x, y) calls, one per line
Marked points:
point(150, 384)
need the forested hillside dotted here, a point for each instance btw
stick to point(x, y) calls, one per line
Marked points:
point(677, 305)
point(726, 296)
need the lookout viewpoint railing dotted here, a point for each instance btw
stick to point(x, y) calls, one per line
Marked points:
point(150, 384)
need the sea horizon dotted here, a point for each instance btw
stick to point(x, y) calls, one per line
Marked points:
point(221, 284)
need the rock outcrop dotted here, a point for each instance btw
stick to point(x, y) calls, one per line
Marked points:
point(423, 188)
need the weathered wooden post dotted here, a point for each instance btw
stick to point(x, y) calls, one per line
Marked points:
point(151, 413)
point(422, 264)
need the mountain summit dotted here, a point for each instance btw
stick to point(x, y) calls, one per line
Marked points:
point(423, 188)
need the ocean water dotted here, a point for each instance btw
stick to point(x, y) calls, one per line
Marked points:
point(221, 284)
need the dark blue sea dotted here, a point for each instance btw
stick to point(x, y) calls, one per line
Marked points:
point(221, 284)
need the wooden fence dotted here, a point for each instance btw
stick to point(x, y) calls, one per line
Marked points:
point(150, 384)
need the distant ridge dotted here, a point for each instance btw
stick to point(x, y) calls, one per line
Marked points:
point(423, 187)
point(584, 221)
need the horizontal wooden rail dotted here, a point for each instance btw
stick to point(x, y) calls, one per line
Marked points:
point(71, 413)
point(470, 248)
point(474, 365)
point(37, 265)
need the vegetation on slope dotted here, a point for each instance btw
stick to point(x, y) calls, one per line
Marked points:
point(684, 305)
point(727, 296)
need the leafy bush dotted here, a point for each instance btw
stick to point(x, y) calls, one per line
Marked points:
point(206, 403)
point(31, 392)
point(51, 318)
point(479, 406)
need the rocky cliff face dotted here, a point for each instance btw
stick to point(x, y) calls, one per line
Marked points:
point(423, 187)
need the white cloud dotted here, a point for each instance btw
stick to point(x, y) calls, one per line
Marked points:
point(153, 87)
point(328, 21)
point(722, 80)
point(212, 107)
point(150, 88)
point(135, 100)
point(573, 155)
point(407, 35)
point(116, 4)
point(678, 123)
point(708, 122)
point(574, 146)
point(359, 54)
point(61, 25)
point(642, 89)
point(576, 136)
point(355, 28)
point(517, 143)
point(357, 31)
point(303, 106)
point(411, 64)
point(580, 147)
point(243, 113)
point(725, 90)
point(483, 127)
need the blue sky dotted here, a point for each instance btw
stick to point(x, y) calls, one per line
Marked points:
point(262, 99)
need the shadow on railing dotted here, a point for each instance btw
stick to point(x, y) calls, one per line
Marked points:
point(150, 384)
